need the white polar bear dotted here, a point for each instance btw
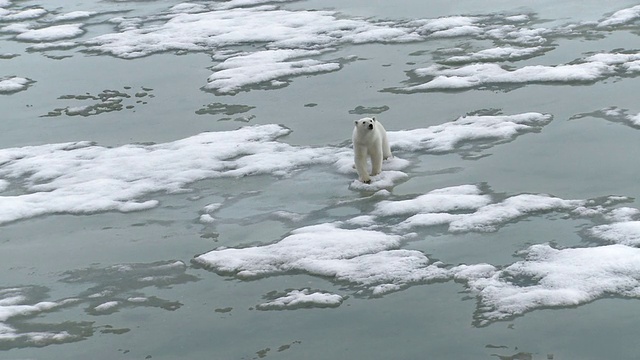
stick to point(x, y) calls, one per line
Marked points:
point(369, 140)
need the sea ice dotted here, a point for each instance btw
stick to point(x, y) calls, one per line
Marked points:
point(621, 17)
point(52, 33)
point(264, 67)
point(551, 277)
point(108, 306)
point(84, 178)
point(448, 136)
point(626, 233)
point(302, 299)
point(74, 15)
point(478, 75)
point(13, 84)
point(507, 53)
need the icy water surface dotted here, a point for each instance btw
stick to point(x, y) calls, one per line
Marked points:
point(176, 180)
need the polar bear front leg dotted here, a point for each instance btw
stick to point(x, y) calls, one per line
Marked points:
point(376, 161)
point(360, 159)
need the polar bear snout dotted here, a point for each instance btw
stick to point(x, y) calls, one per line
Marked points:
point(370, 126)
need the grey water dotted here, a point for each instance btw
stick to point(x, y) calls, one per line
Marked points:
point(197, 314)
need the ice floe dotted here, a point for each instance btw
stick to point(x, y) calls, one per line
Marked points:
point(367, 252)
point(304, 298)
point(13, 84)
point(506, 53)
point(269, 66)
point(52, 33)
point(550, 277)
point(448, 136)
point(624, 232)
point(621, 17)
point(481, 75)
point(84, 178)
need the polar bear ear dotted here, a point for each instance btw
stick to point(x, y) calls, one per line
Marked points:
point(373, 118)
point(356, 122)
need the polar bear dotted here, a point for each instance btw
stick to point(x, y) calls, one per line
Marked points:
point(369, 140)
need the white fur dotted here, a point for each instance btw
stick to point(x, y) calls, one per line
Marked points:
point(369, 140)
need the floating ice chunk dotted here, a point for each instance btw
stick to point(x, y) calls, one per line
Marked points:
point(207, 219)
point(436, 208)
point(74, 15)
point(301, 250)
point(626, 233)
point(212, 208)
point(279, 29)
point(464, 197)
point(384, 180)
point(363, 258)
point(230, 4)
point(507, 53)
point(430, 26)
point(622, 214)
point(52, 33)
point(477, 75)
point(13, 84)
point(108, 306)
point(27, 14)
point(550, 277)
point(302, 298)
point(488, 217)
point(4, 185)
point(621, 17)
point(446, 137)
point(188, 8)
point(81, 178)
point(264, 67)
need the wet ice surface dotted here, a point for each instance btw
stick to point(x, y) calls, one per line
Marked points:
point(494, 212)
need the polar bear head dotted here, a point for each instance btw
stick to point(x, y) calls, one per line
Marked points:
point(366, 123)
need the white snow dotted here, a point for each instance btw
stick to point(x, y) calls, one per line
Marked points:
point(448, 136)
point(365, 258)
point(13, 84)
point(621, 17)
point(626, 233)
point(507, 53)
point(302, 298)
point(207, 219)
point(477, 75)
point(84, 178)
point(279, 29)
point(52, 33)
point(456, 198)
point(264, 67)
point(107, 306)
point(592, 68)
point(551, 277)
point(28, 14)
point(74, 15)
